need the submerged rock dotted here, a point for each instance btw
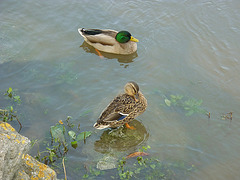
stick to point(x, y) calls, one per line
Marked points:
point(15, 163)
point(107, 162)
point(121, 139)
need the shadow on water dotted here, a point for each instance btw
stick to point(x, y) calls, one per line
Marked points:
point(121, 139)
point(121, 58)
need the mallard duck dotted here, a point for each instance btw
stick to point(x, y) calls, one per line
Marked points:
point(123, 109)
point(110, 41)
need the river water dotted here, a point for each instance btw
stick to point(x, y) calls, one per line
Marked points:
point(186, 48)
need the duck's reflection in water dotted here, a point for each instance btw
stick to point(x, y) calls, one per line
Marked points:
point(121, 139)
point(121, 58)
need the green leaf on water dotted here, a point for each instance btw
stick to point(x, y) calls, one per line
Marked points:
point(153, 166)
point(72, 134)
point(74, 144)
point(17, 98)
point(85, 176)
point(83, 135)
point(189, 113)
point(51, 155)
point(9, 90)
point(167, 102)
point(57, 132)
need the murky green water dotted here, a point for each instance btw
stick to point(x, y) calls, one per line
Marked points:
point(186, 48)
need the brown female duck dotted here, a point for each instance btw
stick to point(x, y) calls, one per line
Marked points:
point(123, 109)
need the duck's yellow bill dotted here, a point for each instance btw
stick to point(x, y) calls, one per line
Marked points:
point(134, 39)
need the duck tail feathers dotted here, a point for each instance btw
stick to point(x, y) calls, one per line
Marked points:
point(100, 126)
point(81, 30)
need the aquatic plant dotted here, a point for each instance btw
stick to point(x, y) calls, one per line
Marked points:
point(143, 168)
point(12, 95)
point(59, 145)
point(9, 114)
point(227, 116)
point(92, 172)
point(151, 168)
point(189, 105)
point(67, 77)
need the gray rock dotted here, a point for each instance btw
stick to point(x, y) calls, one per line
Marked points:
point(107, 162)
point(15, 163)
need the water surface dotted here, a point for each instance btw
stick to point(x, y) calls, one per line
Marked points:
point(186, 48)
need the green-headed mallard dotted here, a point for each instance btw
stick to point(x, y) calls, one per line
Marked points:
point(110, 41)
point(123, 109)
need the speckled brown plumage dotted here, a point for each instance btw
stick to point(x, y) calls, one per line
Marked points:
point(123, 104)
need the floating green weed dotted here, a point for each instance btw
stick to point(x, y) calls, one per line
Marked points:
point(58, 132)
point(61, 140)
point(69, 124)
point(193, 106)
point(150, 168)
point(57, 148)
point(92, 172)
point(67, 77)
point(227, 116)
point(9, 114)
point(144, 148)
point(53, 152)
point(12, 95)
point(190, 105)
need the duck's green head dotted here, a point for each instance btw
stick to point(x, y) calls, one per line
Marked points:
point(124, 37)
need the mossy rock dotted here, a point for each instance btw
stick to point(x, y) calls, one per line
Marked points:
point(121, 139)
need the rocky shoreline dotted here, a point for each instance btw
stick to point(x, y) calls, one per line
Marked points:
point(15, 163)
